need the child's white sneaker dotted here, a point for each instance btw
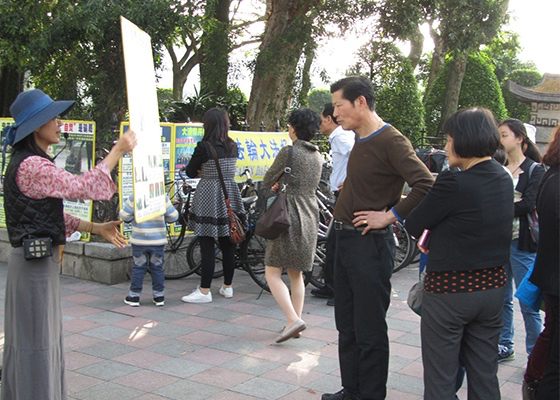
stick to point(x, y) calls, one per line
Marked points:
point(197, 297)
point(227, 292)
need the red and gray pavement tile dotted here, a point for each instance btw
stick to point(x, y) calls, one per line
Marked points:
point(225, 350)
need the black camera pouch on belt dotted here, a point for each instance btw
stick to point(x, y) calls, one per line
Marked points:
point(36, 248)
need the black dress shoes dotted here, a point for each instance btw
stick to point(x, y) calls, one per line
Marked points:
point(322, 293)
point(340, 395)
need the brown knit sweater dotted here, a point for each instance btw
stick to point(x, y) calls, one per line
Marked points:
point(378, 167)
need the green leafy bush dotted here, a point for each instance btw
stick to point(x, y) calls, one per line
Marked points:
point(525, 78)
point(193, 107)
point(318, 98)
point(398, 101)
point(480, 87)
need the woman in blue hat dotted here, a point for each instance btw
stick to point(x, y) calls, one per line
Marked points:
point(33, 365)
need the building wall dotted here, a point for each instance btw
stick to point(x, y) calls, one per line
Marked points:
point(545, 116)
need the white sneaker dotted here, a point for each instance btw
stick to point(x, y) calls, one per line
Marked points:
point(227, 292)
point(197, 297)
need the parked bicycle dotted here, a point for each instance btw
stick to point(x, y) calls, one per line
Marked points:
point(175, 264)
point(405, 247)
point(249, 255)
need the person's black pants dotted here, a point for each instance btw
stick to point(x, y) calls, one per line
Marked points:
point(362, 273)
point(549, 386)
point(208, 256)
point(328, 267)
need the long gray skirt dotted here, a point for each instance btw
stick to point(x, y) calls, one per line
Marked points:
point(33, 366)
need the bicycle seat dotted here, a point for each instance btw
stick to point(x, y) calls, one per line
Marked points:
point(247, 201)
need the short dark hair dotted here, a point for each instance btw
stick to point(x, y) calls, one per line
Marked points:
point(328, 111)
point(501, 155)
point(529, 148)
point(474, 132)
point(305, 122)
point(354, 87)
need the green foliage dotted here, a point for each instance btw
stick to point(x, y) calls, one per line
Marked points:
point(525, 78)
point(400, 19)
point(318, 98)
point(398, 100)
point(165, 102)
point(480, 88)
point(215, 47)
point(466, 24)
point(322, 142)
point(502, 53)
point(194, 107)
point(74, 49)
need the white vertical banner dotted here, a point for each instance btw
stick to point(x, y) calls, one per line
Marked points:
point(147, 164)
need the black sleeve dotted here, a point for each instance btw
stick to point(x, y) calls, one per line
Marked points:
point(435, 206)
point(199, 157)
point(528, 200)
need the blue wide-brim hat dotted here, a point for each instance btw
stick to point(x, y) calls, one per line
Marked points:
point(31, 110)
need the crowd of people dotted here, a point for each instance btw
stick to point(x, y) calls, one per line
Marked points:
point(476, 214)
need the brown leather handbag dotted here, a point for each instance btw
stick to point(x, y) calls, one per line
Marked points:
point(276, 219)
point(237, 232)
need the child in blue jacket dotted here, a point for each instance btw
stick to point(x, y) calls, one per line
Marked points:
point(148, 239)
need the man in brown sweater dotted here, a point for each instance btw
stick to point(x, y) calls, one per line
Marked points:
point(381, 161)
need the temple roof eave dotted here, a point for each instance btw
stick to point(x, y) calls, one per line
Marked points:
point(535, 94)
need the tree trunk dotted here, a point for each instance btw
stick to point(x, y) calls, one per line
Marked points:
point(438, 59)
point(287, 30)
point(11, 84)
point(109, 95)
point(416, 47)
point(453, 87)
point(181, 70)
point(309, 53)
point(215, 48)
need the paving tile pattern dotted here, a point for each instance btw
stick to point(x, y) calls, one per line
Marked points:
point(225, 350)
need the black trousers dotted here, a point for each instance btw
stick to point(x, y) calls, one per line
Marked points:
point(328, 268)
point(461, 328)
point(549, 386)
point(363, 269)
point(208, 259)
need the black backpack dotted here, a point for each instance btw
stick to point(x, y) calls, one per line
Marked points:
point(432, 158)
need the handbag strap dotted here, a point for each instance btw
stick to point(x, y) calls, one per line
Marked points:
point(531, 168)
point(215, 156)
point(287, 168)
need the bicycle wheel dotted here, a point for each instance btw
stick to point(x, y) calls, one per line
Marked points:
point(194, 258)
point(252, 259)
point(317, 275)
point(416, 253)
point(404, 249)
point(175, 265)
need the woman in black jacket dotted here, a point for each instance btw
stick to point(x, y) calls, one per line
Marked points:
point(469, 246)
point(542, 375)
point(523, 159)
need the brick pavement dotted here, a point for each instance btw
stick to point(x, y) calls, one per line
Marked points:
point(225, 349)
